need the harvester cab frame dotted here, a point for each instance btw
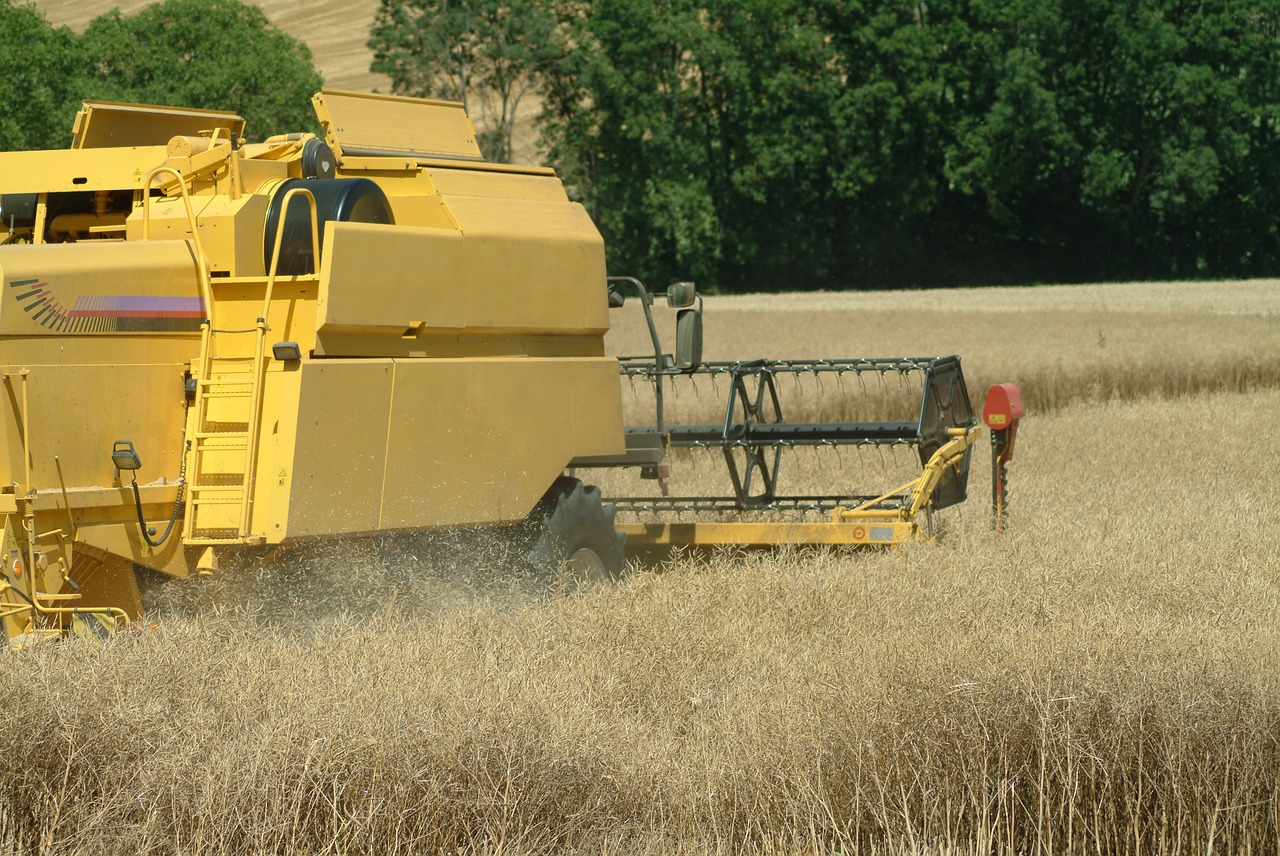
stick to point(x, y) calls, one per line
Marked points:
point(366, 334)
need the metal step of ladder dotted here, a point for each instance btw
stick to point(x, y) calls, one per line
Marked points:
point(223, 444)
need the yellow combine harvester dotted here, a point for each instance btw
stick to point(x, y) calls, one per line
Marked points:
point(208, 344)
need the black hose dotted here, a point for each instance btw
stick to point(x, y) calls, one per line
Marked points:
point(142, 523)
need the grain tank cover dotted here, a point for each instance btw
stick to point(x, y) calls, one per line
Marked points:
point(359, 125)
point(107, 124)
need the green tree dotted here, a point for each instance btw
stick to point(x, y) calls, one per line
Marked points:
point(855, 143)
point(211, 54)
point(1125, 138)
point(901, 77)
point(488, 54)
point(694, 132)
point(42, 72)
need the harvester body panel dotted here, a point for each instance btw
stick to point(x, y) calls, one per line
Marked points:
point(436, 361)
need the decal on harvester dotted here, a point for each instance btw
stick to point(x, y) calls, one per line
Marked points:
point(108, 313)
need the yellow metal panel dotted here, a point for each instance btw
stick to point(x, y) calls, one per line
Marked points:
point(255, 172)
point(551, 249)
point(102, 124)
point(58, 171)
point(238, 303)
point(390, 279)
point(340, 456)
point(276, 452)
point(422, 211)
point(97, 503)
point(76, 412)
point(480, 441)
point(380, 279)
point(358, 344)
point(230, 229)
point(477, 182)
point(359, 124)
point(99, 288)
point(123, 539)
point(596, 405)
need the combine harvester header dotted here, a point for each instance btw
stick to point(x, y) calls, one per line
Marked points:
point(209, 346)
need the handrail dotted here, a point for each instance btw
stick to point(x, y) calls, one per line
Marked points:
point(206, 295)
point(646, 301)
point(259, 351)
point(279, 241)
point(201, 261)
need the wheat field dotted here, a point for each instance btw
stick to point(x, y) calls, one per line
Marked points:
point(1103, 677)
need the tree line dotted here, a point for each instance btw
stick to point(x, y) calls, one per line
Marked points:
point(794, 144)
point(780, 144)
point(210, 54)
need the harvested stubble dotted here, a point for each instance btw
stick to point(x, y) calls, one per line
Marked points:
point(1104, 677)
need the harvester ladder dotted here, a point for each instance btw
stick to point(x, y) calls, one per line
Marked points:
point(199, 444)
point(224, 435)
point(221, 443)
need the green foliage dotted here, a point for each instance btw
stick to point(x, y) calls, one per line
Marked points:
point(212, 54)
point(41, 70)
point(488, 54)
point(1149, 121)
point(691, 130)
point(851, 143)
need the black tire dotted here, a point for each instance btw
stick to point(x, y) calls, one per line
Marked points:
point(576, 543)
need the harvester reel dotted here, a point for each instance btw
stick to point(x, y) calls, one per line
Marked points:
point(577, 543)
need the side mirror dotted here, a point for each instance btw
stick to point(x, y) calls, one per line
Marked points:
point(616, 298)
point(688, 339)
point(681, 295)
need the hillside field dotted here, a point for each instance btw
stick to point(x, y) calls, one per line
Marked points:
point(1103, 677)
point(336, 33)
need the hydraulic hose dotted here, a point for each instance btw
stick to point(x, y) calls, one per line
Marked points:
point(173, 518)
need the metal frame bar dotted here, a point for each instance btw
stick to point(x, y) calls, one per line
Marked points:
point(874, 521)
